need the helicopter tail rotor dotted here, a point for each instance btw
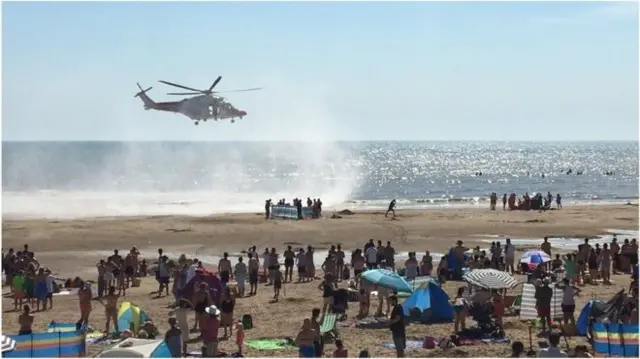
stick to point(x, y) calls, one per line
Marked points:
point(141, 90)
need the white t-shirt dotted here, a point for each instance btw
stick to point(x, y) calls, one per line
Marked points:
point(241, 271)
point(567, 296)
point(49, 280)
point(372, 255)
point(509, 250)
point(552, 352)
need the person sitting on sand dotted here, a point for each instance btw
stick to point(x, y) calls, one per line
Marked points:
point(306, 339)
point(110, 303)
point(552, 351)
point(25, 320)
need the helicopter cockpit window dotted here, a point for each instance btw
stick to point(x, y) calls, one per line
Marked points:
point(211, 110)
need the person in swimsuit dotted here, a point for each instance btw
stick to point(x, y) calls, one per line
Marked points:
point(277, 283)
point(110, 309)
point(605, 264)
point(227, 305)
point(306, 339)
point(201, 299)
point(288, 263)
point(339, 255)
point(130, 264)
point(254, 267)
point(84, 298)
point(301, 259)
point(460, 306)
point(25, 320)
point(224, 267)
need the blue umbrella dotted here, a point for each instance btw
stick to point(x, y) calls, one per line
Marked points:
point(387, 279)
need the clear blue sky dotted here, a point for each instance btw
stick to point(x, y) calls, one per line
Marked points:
point(331, 71)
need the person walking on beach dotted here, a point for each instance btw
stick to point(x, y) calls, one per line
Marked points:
point(504, 202)
point(392, 206)
point(558, 201)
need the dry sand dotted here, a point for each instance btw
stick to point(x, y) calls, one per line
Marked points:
point(71, 247)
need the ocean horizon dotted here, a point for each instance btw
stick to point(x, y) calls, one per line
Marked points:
point(110, 178)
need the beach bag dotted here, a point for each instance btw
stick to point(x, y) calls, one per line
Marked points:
point(247, 322)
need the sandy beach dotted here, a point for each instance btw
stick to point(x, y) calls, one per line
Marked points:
point(72, 247)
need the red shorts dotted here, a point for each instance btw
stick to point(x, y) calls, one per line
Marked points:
point(544, 311)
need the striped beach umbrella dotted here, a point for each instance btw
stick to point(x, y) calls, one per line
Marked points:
point(8, 344)
point(534, 257)
point(490, 279)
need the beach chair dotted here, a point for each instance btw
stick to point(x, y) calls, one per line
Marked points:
point(328, 328)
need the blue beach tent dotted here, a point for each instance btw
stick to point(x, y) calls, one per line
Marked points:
point(593, 308)
point(432, 303)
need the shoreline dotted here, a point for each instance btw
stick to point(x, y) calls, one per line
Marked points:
point(349, 205)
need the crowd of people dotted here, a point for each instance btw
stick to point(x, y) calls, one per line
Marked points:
point(538, 202)
point(214, 305)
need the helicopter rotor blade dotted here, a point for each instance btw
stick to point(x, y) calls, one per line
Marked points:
point(243, 90)
point(215, 83)
point(184, 93)
point(180, 86)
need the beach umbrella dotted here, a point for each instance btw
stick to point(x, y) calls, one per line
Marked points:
point(534, 257)
point(8, 344)
point(490, 279)
point(387, 279)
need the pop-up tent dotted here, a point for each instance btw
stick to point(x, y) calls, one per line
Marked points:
point(212, 281)
point(131, 317)
point(593, 309)
point(432, 303)
point(137, 348)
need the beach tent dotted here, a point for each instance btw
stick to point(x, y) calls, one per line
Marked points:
point(432, 302)
point(137, 348)
point(131, 317)
point(202, 275)
point(593, 309)
point(528, 303)
point(48, 345)
point(615, 340)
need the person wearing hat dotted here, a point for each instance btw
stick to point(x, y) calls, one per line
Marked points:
point(210, 331)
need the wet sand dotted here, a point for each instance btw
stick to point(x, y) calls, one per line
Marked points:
point(72, 247)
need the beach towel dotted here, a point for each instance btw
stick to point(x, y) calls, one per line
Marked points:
point(411, 345)
point(72, 291)
point(268, 344)
point(372, 323)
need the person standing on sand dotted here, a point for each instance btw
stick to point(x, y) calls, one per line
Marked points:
point(396, 324)
point(543, 296)
point(558, 201)
point(173, 339)
point(310, 264)
point(568, 300)
point(289, 261)
point(340, 262)
point(605, 264)
point(254, 268)
point(615, 253)
point(301, 259)
point(111, 309)
point(546, 246)
point(240, 272)
point(389, 255)
point(372, 257)
point(509, 256)
point(84, 298)
point(427, 264)
point(224, 268)
point(504, 202)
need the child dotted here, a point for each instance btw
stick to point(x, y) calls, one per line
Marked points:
point(277, 282)
point(239, 336)
point(364, 304)
point(341, 351)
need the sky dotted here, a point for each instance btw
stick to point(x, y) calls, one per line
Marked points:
point(330, 71)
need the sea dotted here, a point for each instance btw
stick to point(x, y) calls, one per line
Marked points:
point(86, 179)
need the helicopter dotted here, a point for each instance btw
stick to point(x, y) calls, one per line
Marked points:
point(201, 107)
